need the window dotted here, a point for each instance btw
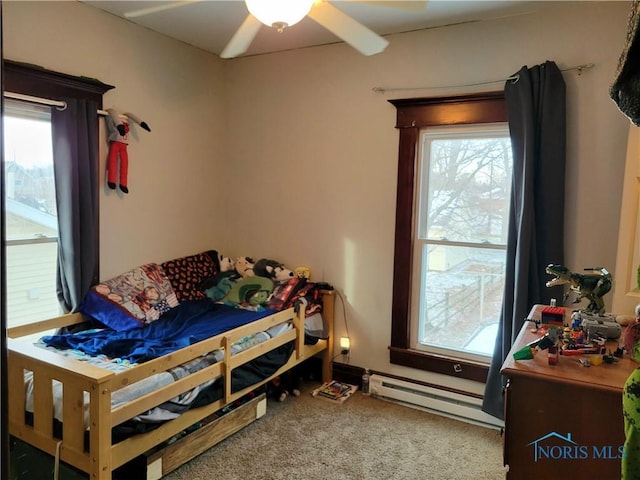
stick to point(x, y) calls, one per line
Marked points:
point(434, 225)
point(32, 206)
point(460, 239)
point(31, 226)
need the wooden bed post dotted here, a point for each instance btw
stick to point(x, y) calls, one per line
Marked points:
point(100, 431)
point(328, 300)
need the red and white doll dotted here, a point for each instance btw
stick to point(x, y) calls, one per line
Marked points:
point(118, 137)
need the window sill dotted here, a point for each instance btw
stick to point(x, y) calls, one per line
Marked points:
point(438, 364)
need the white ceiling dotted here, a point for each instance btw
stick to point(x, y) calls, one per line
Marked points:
point(210, 24)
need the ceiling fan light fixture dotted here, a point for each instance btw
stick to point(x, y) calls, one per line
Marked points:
point(279, 13)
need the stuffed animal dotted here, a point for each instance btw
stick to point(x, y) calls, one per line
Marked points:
point(250, 290)
point(244, 267)
point(118, 137)
point(220, 285)
point(226, 264)
point(276, 271)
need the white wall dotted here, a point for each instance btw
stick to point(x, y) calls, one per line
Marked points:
point(308, 171)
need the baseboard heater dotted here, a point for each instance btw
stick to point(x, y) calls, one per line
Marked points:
point(443, 402)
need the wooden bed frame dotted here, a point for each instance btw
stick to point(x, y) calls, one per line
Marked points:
point(77, 377)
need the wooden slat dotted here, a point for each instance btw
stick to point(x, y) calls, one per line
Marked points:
point(227, 369)
point(100, 432)
point(298, 324)
point(42, 404)
point(328, 303)
point(15, 376)
point(73, 417)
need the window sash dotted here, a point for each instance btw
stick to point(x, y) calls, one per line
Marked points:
point(424, 238)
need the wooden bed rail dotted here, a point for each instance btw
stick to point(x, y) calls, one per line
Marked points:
point(44, 325)
point(80, 382)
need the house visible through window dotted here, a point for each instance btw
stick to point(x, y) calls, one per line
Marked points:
point(459, 249)
point(31, 222)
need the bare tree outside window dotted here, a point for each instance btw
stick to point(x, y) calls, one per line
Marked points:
point(461, 236)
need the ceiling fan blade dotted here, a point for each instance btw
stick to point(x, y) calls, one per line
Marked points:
point(354, 33)
point(158, 8)
point(408, 5)
point(243, 37)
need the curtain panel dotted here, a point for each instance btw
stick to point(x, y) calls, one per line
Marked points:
point(75, 154)
point(537, 124)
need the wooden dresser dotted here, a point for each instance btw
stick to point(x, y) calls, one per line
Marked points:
point(562, 421)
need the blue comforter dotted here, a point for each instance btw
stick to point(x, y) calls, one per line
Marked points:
point(184, 325)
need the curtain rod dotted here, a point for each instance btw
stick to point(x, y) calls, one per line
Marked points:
point(60, 105)
point(513, 78)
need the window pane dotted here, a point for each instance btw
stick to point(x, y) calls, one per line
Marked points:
point(31, 214)
point(31, 283)
point(467, 183)
point(460, 248)
point(462, 290)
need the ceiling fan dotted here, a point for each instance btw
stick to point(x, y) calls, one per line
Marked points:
point(281, 14)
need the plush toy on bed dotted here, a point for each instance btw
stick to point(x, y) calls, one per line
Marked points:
point(252, 291)
point(226, 263)
point(220, 284)
point(276, 271)
point(244, 267)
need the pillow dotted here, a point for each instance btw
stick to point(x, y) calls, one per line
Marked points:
point(186, 274)
point(132, 299)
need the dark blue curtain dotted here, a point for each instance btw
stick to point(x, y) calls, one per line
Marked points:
point(75, 154)
point(537, 125)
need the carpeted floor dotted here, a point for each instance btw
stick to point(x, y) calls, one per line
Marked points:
point(363, 438)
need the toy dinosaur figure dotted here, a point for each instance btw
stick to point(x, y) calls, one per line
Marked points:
point(591, 286)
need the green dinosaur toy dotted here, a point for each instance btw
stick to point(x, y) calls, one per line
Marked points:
point(592, 286)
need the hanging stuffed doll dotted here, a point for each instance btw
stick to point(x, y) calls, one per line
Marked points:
point(118, 137)
point(631, 405)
